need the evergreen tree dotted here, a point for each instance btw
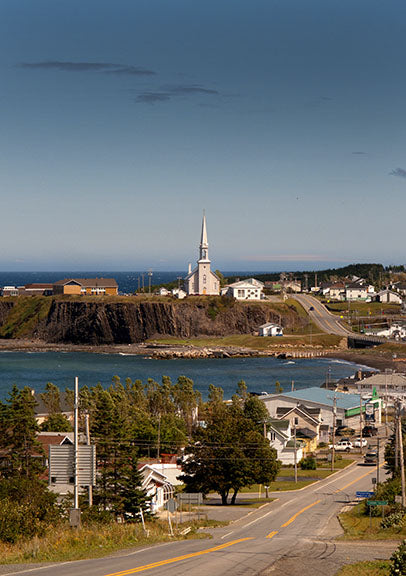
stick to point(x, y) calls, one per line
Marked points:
point(24, 454)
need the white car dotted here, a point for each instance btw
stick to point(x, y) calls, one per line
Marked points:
point(343, 445)
point(359, 444)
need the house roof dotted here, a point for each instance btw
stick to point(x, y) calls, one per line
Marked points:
point(54, 438)
point(270, 325)
point(382, 379)
point(38, 286)
point(320, 396)
point(248, 283)
point(89, 282)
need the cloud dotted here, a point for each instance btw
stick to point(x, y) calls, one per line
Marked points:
point(152, 97)
point(131, 71)
point(400, 172)
point(168, 92)
point(106, 67)
point(359, 153)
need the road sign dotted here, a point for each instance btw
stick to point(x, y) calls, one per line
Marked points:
point(62, 464)
point(377, 502)
point(364, 494)
point(190, 497)
point(171, 505)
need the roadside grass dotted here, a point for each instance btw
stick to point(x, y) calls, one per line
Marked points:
point(374, 568)
point(363, 308)
point(253, 342)
point(358, 526)
point(303, 476)
point(63, 544)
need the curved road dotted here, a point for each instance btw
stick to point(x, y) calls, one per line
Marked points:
point(327, 321)
point(291, 535)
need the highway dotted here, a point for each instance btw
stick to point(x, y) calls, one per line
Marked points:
point(321, 316)
point(293, 533)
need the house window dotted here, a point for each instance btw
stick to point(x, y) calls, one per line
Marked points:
point(240, 293)
point(272, 436)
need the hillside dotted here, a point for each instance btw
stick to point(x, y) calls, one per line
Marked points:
point(98, 321)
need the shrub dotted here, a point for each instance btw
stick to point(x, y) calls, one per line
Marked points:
point(398, 559)
point(308, 463)
point(394, 520)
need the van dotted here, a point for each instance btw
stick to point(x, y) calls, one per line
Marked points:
point(371, 458)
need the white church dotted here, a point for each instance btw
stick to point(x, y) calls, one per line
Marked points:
point(202, 280)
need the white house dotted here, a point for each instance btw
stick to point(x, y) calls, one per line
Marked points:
point(280, 437)
point(157, 486)
point(270, 329)
point(388, 296)
point(397, 331)
point(179, 293)
point(356, 292)
point(250, 289)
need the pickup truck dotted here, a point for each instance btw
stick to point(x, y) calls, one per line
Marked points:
point(344, 445)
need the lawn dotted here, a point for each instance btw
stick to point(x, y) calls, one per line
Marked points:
point(376, 568)
point(358, 526)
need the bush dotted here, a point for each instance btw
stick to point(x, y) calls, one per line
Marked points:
point(394, 520)
point(308, 463)
point(27, 508)
point(398, 559)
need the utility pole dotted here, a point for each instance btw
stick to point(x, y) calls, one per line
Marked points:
point(360, 421)
point(295, 456)
point(159, 437)
point(402, 462)
point(75, 443)
point(378, 461)
point(149, 281)
point(143, 283)
point(334, 431)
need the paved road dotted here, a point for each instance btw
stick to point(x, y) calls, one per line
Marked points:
point(291, 535)
point(321, 316)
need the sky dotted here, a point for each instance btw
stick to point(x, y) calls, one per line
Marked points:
point(120, 122)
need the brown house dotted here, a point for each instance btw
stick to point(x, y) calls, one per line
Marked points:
point(86, 286)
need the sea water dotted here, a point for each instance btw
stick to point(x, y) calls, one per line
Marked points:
point(35, 369)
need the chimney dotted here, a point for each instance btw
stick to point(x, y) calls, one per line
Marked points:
point(189, 268)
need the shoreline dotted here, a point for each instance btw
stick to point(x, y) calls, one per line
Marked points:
point(372, 357)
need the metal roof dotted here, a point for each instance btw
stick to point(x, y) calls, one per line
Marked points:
point(323, 396)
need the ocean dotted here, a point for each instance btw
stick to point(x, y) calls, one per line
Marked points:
point(35, 369)
point(128, 282)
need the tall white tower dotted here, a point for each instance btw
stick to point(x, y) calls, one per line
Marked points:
point(202, 280)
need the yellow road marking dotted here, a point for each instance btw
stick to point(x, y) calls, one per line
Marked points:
point(357, 479)
point(272, 534)
point(177, 559)
point(298, 513)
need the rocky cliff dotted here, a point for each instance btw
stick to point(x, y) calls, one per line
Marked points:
point(121, 322)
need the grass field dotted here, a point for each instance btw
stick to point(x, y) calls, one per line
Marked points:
point(252, 342)
point(376, 568)
point(358, 526)
point(62, 544)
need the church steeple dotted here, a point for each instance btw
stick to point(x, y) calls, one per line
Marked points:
point(204, 245)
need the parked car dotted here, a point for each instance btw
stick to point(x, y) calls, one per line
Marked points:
point(369, 431)
point(371, 458)
point(358, 443)
point(345, 431)
point(344, 445)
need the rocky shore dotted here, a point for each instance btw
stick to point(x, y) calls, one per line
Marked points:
point(369, 357)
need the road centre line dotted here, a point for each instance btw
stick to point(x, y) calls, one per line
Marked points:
point(357, 479)
point(274, 511)
point(272, 534)
point(293, 518)
point(177, 558)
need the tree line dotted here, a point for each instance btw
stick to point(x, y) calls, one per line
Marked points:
point(221, 446)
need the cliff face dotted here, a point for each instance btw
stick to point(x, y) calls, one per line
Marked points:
point(5, 308)
point(109, 322)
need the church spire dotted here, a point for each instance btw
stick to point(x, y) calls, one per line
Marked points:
point(204, 245)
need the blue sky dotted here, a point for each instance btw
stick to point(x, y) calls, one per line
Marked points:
point(121, 121)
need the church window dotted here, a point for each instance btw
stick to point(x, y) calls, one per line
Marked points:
point(204, 278)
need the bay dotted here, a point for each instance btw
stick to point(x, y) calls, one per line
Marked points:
point(35, 369)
